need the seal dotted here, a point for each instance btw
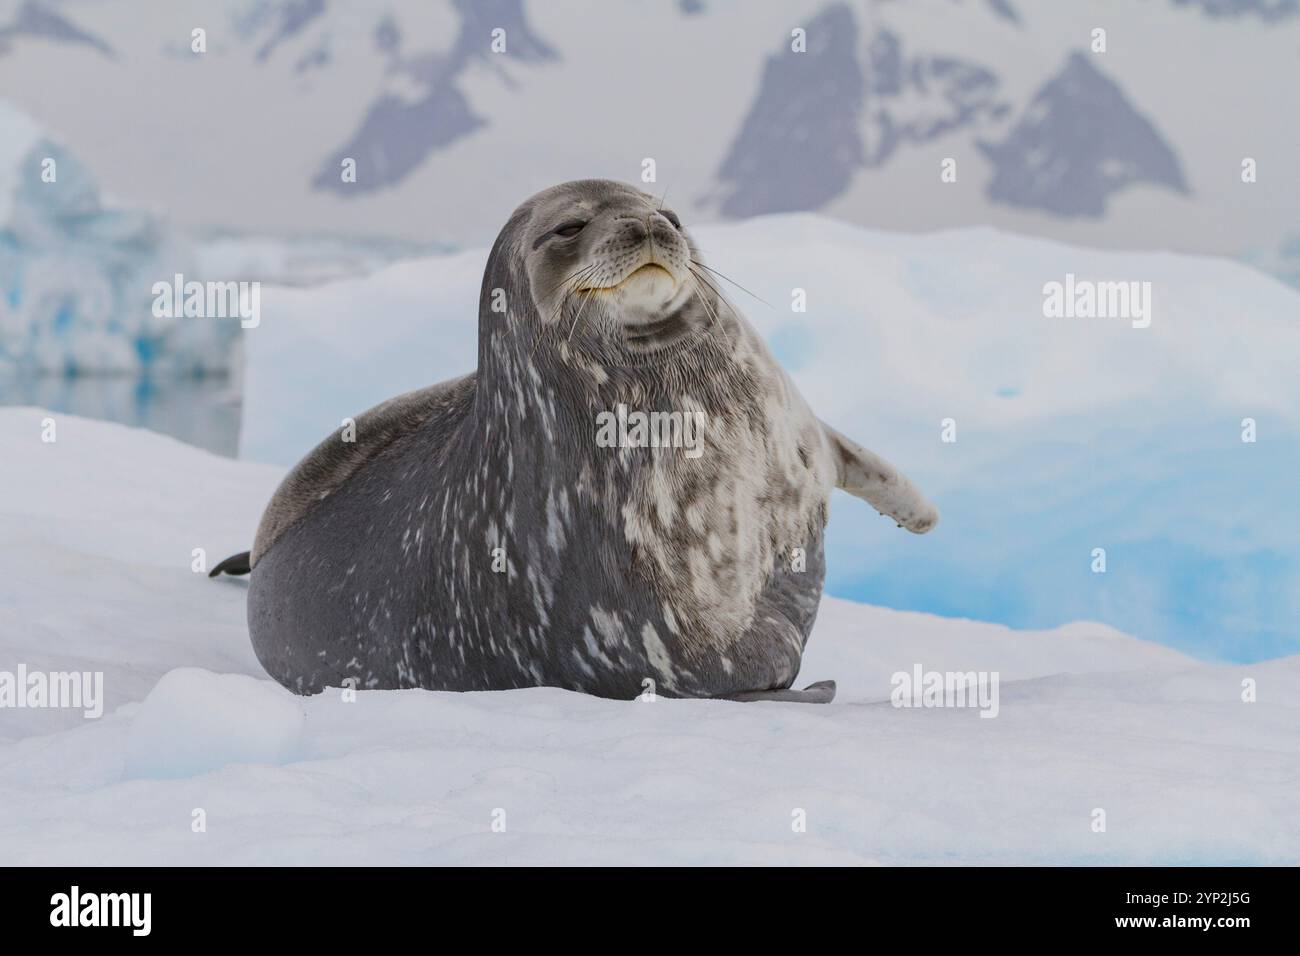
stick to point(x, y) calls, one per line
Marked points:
point(628, 495)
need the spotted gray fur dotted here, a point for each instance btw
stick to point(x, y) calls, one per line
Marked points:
point(374, 560)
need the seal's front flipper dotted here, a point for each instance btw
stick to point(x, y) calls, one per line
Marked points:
point(235, 564)
point(822, 692)
point(869, 477)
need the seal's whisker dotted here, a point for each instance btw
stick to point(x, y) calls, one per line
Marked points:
point(721, 297)
point(701, 277)
point(733, 282)
point(649, 201)
point(573, 275)
point(572, 281)
point(589, 295)
point(699, 294)
point(703, 281)
point(581, 275)
point(574, 324)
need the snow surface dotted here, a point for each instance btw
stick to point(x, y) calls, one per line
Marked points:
point(1072, 433)
point(100, 526)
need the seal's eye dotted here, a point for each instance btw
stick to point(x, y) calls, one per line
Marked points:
point(569, 229)
point(671, 217)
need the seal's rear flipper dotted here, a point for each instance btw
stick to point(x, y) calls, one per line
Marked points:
point(235, 564)
point(869, 477)
point(822, 692)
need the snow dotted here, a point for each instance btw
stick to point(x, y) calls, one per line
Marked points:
point(195, 721)
point(100, 526)
point(1072, 433)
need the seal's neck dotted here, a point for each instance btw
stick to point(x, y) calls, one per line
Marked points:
point(553, 405)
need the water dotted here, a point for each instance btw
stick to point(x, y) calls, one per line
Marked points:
point(199, 411)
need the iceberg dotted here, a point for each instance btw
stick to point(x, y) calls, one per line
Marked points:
point(76, 272)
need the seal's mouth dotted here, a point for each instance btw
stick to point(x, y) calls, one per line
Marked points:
point(651, 272)
point(645, 305)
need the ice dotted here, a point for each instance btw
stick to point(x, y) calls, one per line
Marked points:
point(98, 574)
point(1072, 433)
point(404, 327)
point(194, 721)
point(21, 137)
point(76, 273)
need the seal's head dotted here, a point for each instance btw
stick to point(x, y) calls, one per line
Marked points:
point(611, 269)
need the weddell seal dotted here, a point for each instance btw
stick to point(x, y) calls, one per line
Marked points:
point(628, 494)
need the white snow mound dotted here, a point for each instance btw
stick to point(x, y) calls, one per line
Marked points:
point(195, 721)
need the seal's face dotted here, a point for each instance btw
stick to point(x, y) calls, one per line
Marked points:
point(616, 257)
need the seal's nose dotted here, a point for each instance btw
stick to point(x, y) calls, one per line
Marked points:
point(632, 228)
point(650, 226)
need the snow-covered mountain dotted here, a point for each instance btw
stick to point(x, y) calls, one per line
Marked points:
point(1139, 145)
point(97, 576)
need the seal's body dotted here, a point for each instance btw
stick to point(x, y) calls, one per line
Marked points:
point(486, 533)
